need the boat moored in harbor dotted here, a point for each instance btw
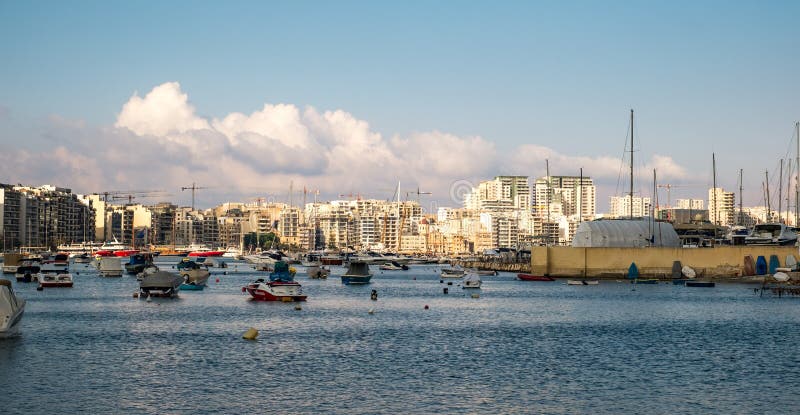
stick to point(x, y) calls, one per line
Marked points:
point(532, 277)
point(160, 284)
point(28, 271)
point(11, 310)
point(280, 286)
point(471, 280)
point(771, 234)
point(55, 279)
point(357, 273)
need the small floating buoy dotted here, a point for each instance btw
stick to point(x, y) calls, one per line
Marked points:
point(217, 279)
point(444, 290)
point(250, 334)
point(441, 281)
point(371, 311)
point(298, 307)
point(415, 278)
point(374, 295)
point(449, 282)
point(135, 295)
point(426, 306)
point(475, 296)
point(224, 272)
point(149, 299)
point(40, 288)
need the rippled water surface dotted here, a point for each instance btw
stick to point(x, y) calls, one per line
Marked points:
point(521, 347)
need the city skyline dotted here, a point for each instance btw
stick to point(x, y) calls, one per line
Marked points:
point(351, 100)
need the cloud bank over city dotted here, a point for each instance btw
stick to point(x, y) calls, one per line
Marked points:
point(159, 141)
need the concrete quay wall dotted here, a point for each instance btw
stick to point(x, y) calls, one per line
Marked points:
point(718, 262)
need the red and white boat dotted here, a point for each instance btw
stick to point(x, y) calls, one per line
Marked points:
point(59, 263)
point(531, 277)
point(115, 248)
point(55, 279)
point(203, 252)
point(281, 286)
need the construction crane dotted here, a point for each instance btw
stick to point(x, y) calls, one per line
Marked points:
point(418, 193)
point(193, 188)
point(669, 188)
point(129, 194)
point(351, 196)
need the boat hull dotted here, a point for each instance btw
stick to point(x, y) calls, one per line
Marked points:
point(356, 279)
point(583, 282)
point(206, 254)
point(702, 284)
point(531, 277)
point(11, 328)
point(275, 292)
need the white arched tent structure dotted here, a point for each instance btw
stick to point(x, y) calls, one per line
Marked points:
point(627, 233)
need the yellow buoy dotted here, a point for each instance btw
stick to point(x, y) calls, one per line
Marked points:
point(371, 311)
point(250, 334)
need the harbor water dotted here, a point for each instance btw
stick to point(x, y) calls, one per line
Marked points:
point(519, 347)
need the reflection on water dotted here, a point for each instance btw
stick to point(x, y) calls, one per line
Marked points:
point(521, 347)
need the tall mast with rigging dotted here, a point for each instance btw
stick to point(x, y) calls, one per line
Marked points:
point(716, 207)
point(797, 179)
point(631, 193)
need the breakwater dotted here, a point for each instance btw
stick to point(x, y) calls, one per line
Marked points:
point(725, 262)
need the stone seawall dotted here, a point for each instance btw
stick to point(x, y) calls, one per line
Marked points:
point(724, 262)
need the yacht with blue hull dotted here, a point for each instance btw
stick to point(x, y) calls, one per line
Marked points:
point(357, 273)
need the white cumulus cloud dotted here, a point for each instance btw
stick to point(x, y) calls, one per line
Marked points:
point(159, 142)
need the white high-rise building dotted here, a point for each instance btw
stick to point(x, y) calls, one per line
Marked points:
point(621, 206)
point(721, 207)
point(576, 195)
point(693, 204)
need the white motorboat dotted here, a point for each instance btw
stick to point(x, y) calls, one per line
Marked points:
point(160, 284)
point(11, 310)
point(232, 253)
point(55, 279)
point(393, 266)
point(471, 280)
point(28, 271)
point(110, 266)
point(771, 234)
point(455, 272)
point(583, 282)
point(11, 261)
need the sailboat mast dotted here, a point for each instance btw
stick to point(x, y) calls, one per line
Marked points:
point(741, 218)
point(716, 207)
point(631, 193)
point(766, 194)
point(580, 198)
point(780, 192)
point(547, 172)
point(797, 176)
point(788, 186)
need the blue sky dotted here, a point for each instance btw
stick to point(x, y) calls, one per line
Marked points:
point(702, 77)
